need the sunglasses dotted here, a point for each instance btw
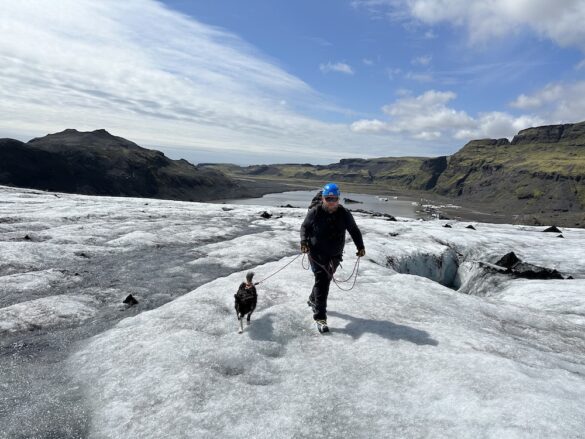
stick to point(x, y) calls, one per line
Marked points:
point(331, 199)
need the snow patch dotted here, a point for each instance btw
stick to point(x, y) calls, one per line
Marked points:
point(29, 281)
point(134, 239)
point(403, 351)
point(46, 313)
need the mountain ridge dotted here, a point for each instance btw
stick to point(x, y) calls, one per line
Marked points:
point(99, 163)
point(538, 176)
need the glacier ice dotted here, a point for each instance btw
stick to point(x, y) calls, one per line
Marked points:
point(407, 356)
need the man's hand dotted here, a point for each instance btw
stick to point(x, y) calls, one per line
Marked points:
point(304, 247)
point(361, 253)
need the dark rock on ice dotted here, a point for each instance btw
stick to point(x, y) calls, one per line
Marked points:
point(386, 216)
point(266, 215)
point(448, 226)
point(553, 229)
point(517, 268)
point(470, 227)
point(530, 271)
point(130, 300)
point(509, 260)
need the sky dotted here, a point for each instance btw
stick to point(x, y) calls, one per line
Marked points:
point(281, 81)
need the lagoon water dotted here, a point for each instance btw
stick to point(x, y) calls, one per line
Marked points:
point(399, 207)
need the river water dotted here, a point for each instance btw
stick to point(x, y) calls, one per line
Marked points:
point(396, 206)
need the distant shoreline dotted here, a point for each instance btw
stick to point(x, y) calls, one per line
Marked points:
point(443, 207)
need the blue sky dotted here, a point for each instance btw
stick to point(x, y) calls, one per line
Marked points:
point(291, 81)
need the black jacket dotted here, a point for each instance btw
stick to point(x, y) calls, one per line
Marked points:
point(324, 232)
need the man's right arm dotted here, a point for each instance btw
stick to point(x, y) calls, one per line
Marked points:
point(307, 228)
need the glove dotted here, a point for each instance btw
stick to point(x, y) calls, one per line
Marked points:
point(361, 253)
point(304, 247)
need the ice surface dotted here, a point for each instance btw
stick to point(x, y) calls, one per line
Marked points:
point(46, 313)
point(407, 356)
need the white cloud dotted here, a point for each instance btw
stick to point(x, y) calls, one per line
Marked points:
point(496, 125)
point(419, 77)
point(424, 60)
point(430, 35)
point(428, 117)
point(392, 73)
point(159, 78)
point(368, 62)
point(370, 126)
point(556, 102)
point(551, 93)
point(414, 115)
point(561, 20)
point(339, 67)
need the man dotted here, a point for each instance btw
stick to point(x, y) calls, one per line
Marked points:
point(323, 238)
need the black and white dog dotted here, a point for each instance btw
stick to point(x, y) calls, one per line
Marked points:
point(246, 299)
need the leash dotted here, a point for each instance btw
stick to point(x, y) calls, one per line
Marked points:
point(337, 282)
point(332, 274)
point(277, 271)
point(356, 268)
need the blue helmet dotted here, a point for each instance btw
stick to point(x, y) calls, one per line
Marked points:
point(331, 189)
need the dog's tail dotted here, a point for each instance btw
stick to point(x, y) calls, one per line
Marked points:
point(249, 276)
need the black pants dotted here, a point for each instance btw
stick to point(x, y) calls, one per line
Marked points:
point(323, 268)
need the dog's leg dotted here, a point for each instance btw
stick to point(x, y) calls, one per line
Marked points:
point(239, 320)
point(251, 311)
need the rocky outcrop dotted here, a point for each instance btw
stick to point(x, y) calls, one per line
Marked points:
point(538, 176)
point(515, 267)
point(401, 172)
point(433, 168)
point(541, 170)
point(98, 163)
point(574, 133)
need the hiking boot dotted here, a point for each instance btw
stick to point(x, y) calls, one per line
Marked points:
point(322, 326)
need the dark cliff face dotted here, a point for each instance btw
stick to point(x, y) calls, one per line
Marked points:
point(406, 172)
point(97, 163)
point(89, 139)
point(541, 170)
point(567, 133)
point(434, 167)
